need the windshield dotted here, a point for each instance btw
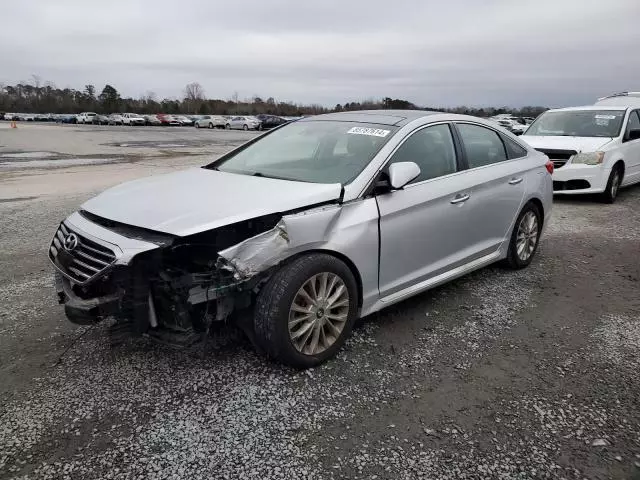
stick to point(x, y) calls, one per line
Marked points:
point(578, 123)
point(311, 151)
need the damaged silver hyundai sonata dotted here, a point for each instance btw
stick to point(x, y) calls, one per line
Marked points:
point(297, 233)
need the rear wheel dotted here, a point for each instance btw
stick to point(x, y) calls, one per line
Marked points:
point(210, 125)
point(525, 236)
point(245, 127)
point(613, 185)
point(227, 126)
point(306, 311)
point(198, 126)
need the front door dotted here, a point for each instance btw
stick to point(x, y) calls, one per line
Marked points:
point(631, 151)
point(423, 225)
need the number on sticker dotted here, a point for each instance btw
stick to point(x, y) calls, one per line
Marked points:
point(376, 132)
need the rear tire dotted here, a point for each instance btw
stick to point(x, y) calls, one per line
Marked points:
point(197, 126)
point(525, 237)
point(245, 128)
point(328, 323)
point(210, 126)
point(613, 185)
point(227, 126)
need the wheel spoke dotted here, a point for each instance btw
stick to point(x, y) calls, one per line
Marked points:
point(313, 345)
point(323, 279)
point(339, 291)
point(295, 321)
point(340, 317)
point(307, 327)
point(297, 308)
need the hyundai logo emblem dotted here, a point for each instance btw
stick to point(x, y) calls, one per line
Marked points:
point(71, 242)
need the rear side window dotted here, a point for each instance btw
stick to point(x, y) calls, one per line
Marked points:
point(634, 122)
point(482, 145)
point(513, 149)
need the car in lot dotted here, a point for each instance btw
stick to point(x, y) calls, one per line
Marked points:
point(151, 120)
point(243, 123)
point(132, 119)
point(86, 117)
point(297, 233)
point(184, 120)
point(102, 119)
point(211, 121)
point(270, 121)
point(167, 120)
point(595, 149)
point(116, 119)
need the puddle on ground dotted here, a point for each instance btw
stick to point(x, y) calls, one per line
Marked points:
point(28, 155)
point(64, 162)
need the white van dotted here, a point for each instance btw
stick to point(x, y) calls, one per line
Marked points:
point(594, 149)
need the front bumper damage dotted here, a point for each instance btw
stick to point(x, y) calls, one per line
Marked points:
point(174, 289)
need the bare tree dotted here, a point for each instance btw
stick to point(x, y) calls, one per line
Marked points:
point(193, 95)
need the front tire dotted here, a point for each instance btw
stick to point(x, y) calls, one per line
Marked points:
point(613, 185)
point(210, 126)
point(525, 237)
point(245, 128)
point(227, 126)
point(306, 311)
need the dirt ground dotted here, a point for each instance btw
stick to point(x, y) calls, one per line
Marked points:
point(500, 374)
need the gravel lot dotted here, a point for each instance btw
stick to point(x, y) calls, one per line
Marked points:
point(501, 374)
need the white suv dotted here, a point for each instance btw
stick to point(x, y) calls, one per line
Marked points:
point(86, 117)
point(132, 119)
point(594, 149)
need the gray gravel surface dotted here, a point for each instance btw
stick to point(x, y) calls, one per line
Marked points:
point(501, 374)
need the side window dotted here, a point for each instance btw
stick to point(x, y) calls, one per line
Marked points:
point(432, 149)
point(634, 121)
point(513, 149)
point(482, 145)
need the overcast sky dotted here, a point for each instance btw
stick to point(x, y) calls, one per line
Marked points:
point(435, 53)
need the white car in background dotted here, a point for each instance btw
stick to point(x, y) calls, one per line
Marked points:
point(115, 119)
point(243, 123)
point(132, 119)
point(594, 149)
point(86, 117)
point(211, 121)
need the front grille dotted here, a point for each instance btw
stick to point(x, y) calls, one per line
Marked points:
point(84, 262)
point(558, 157)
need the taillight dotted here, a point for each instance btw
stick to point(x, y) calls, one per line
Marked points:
point(549, 166)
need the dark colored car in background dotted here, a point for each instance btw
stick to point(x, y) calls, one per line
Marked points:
point(270, 121)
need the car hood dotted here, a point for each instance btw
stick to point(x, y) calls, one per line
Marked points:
point(579, 144)
point(196, 200)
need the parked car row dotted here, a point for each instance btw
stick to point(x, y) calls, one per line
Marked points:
point(239, 122)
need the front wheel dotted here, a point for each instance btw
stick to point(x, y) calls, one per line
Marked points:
point(306, 311)
point(245, 127)
point(197, 126)
point(227, 126)
point(525, 237)
point(613, 185)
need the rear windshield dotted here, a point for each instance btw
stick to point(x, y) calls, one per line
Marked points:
point(311, 151)
point(578, 123)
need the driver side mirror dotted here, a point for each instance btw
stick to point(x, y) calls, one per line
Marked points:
point(402, 173)
point(634, 134)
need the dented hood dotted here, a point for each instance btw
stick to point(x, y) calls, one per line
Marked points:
point(196, 200)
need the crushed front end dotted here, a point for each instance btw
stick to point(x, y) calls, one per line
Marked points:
point(171, 288)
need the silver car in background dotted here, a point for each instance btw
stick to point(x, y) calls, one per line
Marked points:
point(297, 233)
point(211, 121)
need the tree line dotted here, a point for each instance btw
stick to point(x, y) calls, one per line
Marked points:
point(39, 97)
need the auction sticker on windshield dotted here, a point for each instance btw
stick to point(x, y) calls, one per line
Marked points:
point(376, 132)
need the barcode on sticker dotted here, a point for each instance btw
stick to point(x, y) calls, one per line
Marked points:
point(376, 132)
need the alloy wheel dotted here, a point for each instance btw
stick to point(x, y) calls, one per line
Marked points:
point(527, 237)
point(318, 313)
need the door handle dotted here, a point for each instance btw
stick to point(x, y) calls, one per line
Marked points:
point(460, 198)
point(515, 181)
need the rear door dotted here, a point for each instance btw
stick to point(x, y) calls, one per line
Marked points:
point(423, 225)
point(497, 177)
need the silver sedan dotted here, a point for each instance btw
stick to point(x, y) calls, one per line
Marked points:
point(299, 232)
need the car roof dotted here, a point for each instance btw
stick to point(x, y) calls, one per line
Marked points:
point(624, 99)
point(383, 117)
point(589, 107)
